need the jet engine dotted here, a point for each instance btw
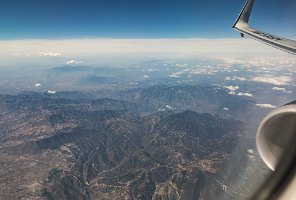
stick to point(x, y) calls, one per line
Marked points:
point(275, 134)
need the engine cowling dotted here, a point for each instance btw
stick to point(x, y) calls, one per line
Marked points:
point(275, 133)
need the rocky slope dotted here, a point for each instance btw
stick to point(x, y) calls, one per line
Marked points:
point(59, 148)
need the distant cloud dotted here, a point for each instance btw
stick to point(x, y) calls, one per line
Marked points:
point(73, 62)
point(281, 89)
point(275, 80)
point(250, 151)
point(146, 76)
point(235, 78)
point(44, 53)
point(169, 107)
point(38, 84)
point(265, 105)
point(181, 65)
point(244, 94)
point(176, 74)
point(133, 83)
point(234, 88)
point(231, 87)
point(51, 92)
point(226, 109)
point(205, 69)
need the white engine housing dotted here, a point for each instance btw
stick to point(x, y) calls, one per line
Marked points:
point(275, 134)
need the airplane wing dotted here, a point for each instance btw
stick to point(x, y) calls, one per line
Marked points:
point(242, 25)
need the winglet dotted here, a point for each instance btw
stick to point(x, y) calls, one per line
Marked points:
point(245, 13)
point(242, 25)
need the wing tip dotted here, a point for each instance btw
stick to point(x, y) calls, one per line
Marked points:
point(245, 13)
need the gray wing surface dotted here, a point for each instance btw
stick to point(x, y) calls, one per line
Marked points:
point(242, 25)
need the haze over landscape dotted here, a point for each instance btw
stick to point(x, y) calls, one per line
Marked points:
point(150, 100)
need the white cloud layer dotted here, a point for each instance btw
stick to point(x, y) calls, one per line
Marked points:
point(134, 45)
point(100, 51)
point(44, 53)
point(147, 47)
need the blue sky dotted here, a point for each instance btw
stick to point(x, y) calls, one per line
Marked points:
point(61, 19)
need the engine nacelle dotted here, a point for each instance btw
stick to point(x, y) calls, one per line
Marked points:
point(275, 133)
